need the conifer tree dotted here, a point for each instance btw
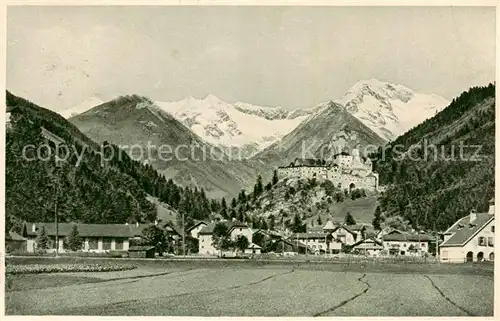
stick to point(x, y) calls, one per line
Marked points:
point(275, 177)
point(74, 240)
point(349, 220)
point(42, 241)
point(377, 219)
point(223, 210)
point(257, 190)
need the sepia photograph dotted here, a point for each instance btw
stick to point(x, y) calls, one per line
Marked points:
point(249, 161)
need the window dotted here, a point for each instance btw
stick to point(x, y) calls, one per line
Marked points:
point(118, 244)
point(93, 244)
point(481, 241)
point(491, 242)
point(444, 255)
point(240, 229)
point(493, 228)
point(106, 244)
point(423, 244)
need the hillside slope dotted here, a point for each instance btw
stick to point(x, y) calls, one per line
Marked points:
point(282, 203)
point(105, 186)
point(432, 172)
point(87, 191)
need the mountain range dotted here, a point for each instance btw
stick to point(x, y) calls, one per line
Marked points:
point(238, 141)
point(387, 109)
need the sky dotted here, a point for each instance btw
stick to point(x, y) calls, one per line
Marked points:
point(295, 57)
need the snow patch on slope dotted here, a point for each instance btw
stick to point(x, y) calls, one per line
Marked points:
point(82, 107)
point(232, 125)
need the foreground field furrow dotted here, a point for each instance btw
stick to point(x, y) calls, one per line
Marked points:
point(284, 294)
point(398, 295)
point(110, 293)
point(173, 303)
point(42, 301)
point(479, 289)
point(341, 304)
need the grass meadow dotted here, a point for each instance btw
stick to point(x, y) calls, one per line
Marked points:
point(252, 288)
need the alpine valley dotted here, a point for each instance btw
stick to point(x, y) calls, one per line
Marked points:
point(206, 134)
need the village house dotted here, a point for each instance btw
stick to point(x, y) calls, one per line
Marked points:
point(95, 237)
point(369, 246)
point(15, 242)
point(470, 239)
point(402, 243)
point(196, 228)
point(317, 241)
point(345, 235)
point(253, 249)
point(235, 229)
point(328, 238)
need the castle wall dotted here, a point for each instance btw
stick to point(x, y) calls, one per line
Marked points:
point(349, 170)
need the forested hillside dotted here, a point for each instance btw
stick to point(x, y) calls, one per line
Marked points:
point(441, 169)
point(91, 191)
point(292, 202)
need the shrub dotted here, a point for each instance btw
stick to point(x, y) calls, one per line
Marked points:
point(58, 268)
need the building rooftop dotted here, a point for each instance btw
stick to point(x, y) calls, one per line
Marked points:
point(196, 225)
point(207, 230)
point(13, 236)
point(399, 236)
point(311, 235)
point(85, 230)
point(462, 230)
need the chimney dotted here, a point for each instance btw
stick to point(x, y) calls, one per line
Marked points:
point(33, 227)
point(233, 219)
point(491, 210)
point(137, 224)
point(472, 216)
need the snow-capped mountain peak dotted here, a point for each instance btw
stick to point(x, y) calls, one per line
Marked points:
point(245, 126)
point(389, 109)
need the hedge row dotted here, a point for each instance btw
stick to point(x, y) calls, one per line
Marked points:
point(57, 268)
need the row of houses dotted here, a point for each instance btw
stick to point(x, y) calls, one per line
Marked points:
point(469, 239)
point(331, 238)
point(95, 237)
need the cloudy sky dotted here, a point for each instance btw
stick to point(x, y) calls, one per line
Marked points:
point(293, 57)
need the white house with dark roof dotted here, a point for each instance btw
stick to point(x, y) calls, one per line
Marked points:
point(470, 239)
point(235, 229)
point(404, 243)
point(369, 246)
point(196, 228)
point(95, 237)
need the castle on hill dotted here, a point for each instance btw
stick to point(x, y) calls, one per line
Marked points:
point(345, 171)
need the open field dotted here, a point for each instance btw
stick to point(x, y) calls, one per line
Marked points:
point(224, 288)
